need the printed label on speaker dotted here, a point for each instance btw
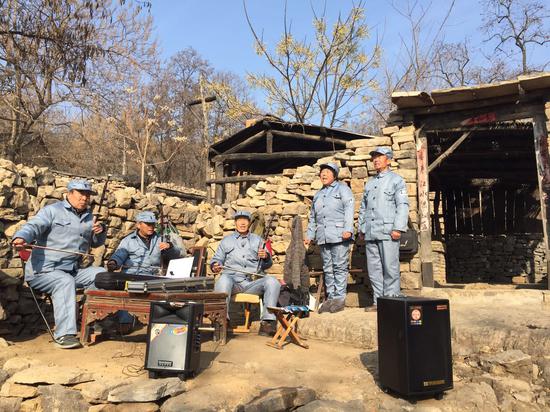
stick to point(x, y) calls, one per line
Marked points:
point(434, 383)
point(179, 330)
point(415, 315)
point(165, 363)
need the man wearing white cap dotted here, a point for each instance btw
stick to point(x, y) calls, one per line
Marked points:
point(140, 252)
point(67, 225)
point(383, 217)
point(241, 252)
point(331, 226)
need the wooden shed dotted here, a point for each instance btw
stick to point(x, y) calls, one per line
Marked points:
point(483, 173)
point(265, 148)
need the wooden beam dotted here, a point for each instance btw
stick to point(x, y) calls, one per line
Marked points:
point(449, 151)
point(480, 116)
point(245, 143)
point(426, 261)
point(301, 154)
point(235, 179)
point(303, 136)
point(540, 132)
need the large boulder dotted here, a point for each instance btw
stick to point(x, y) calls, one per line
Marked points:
point(60, 375)
point(279, 400)
point(147, 390)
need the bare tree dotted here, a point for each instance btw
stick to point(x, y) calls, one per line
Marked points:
point(453, 65)
point(322, 79)
point(523, 23)
point(47, 53)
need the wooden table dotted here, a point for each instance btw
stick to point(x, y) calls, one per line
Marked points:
point(101, 303)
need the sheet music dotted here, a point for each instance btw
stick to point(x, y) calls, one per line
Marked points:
point(180, 268)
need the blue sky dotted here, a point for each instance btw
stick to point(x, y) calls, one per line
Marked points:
point(218, 30)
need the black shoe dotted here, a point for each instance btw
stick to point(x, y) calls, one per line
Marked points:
point(325, 306)
point(337, 306)
point(267, 328)
point(68, 342)
point(372, 308)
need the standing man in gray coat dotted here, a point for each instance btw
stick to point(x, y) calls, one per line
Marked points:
point(331, 226)
point(383, 217)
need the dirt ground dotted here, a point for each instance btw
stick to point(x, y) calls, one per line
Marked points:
point(230, 374)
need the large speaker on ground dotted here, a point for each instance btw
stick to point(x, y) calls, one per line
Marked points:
point(173, 339)
point(414, 345)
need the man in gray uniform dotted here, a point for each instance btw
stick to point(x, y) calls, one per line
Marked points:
point(383, 217)
point(140, 251)
point(331, 226)
point(66, 225)
point(240, 252)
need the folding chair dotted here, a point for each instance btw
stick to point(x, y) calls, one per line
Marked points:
point(288, 318)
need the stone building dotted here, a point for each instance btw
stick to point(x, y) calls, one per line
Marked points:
point(483, 179)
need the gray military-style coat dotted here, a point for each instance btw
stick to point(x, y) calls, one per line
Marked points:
point(331, 214)
point(59, 226)
point(384, 206)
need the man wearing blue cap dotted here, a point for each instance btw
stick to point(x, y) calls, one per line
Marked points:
point(383, 217)
point(140, 252)
point(331, 226)
point(67, 225)
point(241, 252)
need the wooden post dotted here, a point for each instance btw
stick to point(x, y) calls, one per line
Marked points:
point(426, 262)
point(218, 197)
point(540, 132)
point(269, 142)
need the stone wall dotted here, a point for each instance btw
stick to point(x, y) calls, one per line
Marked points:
point(515, 258)
point(24, 190)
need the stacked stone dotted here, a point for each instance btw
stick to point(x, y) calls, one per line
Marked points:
point(24, 190)
point(518, 258)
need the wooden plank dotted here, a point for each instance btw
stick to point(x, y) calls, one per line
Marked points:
point(303, 136)
point(481, 104)
point(295, 154)
point(424, 211)
point(500, 217)
point(542, 156)
point(449, 151)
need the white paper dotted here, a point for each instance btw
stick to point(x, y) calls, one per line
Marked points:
point(180, 268)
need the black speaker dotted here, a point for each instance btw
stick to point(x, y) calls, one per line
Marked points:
point(173, 339)
point(414, 345)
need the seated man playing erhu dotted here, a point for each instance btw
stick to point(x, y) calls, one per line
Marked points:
point(239, 256)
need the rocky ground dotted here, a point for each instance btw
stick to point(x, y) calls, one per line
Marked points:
point(501, 346)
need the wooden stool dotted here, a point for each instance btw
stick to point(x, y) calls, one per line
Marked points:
point(248, 299)
point(288, 319)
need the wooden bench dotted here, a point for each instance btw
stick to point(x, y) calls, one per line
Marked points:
point(101, 303)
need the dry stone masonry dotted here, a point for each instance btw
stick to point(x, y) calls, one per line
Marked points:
point(24, 190)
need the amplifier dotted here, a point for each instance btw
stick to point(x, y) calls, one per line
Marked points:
point(414, 345)
point(173, 339)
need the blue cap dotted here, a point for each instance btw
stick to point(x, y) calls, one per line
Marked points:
point(146, 217)
point(386, 151)
point(242, 213)
point(332, 166)
point(82, 185)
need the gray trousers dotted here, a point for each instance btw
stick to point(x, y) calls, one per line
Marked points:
point(61, 286)
point(267, 286)
point(335, 268)
point(383, 267)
